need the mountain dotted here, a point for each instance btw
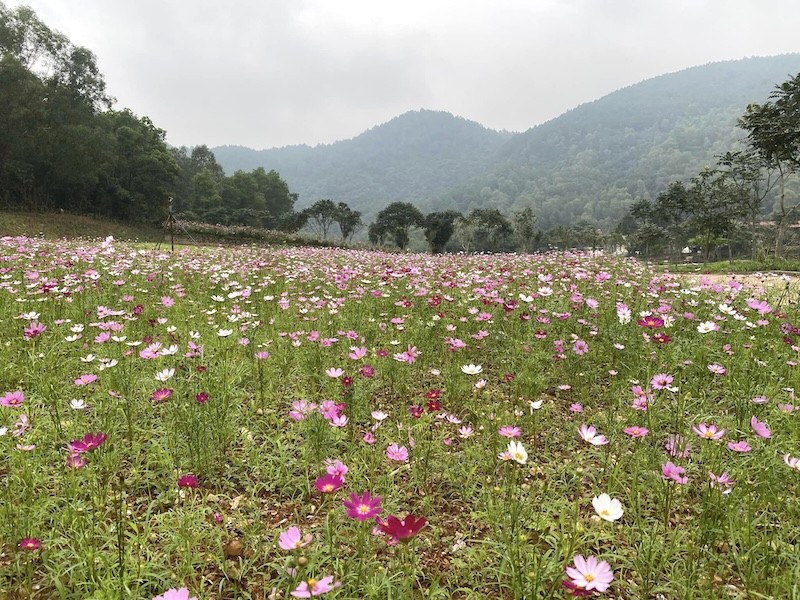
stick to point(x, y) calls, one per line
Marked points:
point(589, 163)
point(413, 156)
point(593, 161)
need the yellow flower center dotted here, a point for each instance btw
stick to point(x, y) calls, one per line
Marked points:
point(311, 582)
point(328, 487)
point(605, 512)
point(708, 434)
point(363, 509)
point(589, 577)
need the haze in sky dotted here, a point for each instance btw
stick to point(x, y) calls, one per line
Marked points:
point(267, 73)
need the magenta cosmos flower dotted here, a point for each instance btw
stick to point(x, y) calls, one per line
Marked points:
point(188, 481)
point(328, 483)
point(363, 507)
point(293, 539)
point(29, 544)
point(15, 398)
point(176, 594)
point(589, 574)
point(91, 441)
point(314, 587)
point(403, 529)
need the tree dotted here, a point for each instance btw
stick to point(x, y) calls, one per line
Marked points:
point(349, 220)
point(396, 220)
point(524, 224)
point(439, 227)
point(752, 178)
point(321, 215)
point(774, 132)
point(713, 210)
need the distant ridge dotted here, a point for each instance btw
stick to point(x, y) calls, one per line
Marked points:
point(589, 163)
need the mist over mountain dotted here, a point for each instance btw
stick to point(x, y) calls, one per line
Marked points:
point(588, 164)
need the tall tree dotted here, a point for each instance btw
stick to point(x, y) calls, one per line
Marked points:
point(774, 132)
point(321, 215)
point(397, 220)
point(349, 220)
point(524, 224)
point(439, 228)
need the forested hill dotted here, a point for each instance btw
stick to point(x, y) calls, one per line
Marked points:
point(413, 156)
point(589, 163)
point(593, 161)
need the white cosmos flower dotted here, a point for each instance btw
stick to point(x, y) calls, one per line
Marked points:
point(172, 349)
point(607, 508)
point(517, 452)
point(707, 327)
point(224, 332)
point(165, 375)
point(72, 338)
point(535, 405)
point(77, 404)
point(471, 369)
point(88, 358)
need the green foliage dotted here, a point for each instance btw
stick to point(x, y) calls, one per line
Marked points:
point(395, 221)
point(439, 227)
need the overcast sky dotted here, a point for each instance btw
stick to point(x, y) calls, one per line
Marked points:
point(266, 73)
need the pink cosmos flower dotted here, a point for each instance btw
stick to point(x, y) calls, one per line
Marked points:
point(363, 507)
point(327, 484)
point(176, 594)
point(161, 395)
point(740, 446)
point(677, 446)
point(369, 438)
point(708, 432)
point(75, 461)
point(398, 454)
point(792, 462)
point(760, 428)
point(661, 381)
point(674, 473)
point(576, 407)
point(636, 432)
point(85, 379)
point(357, 352)
point(334, 372)
point(589, 434)
point(723, 482)
point(314, 587)
point(336, 467)
point(510, 431)
point(588, 574)
point(580, 347)
point(33, 330)
point(293, 539)
point(717, 369)
point(15, 398)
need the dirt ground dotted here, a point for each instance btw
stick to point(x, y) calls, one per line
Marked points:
point(771, 282)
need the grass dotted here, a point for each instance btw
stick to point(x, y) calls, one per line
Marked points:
point(70, 226)
point(255, 370)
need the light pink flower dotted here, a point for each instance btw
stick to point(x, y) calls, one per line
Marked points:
point(760, 428)
point(740, 446)
point(398, 454)
point(589, 434)
point(293, 539)
point(708, 432)
point(588, 574)
point(314, 587)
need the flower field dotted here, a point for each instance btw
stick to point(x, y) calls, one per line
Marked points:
point(292, 423)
